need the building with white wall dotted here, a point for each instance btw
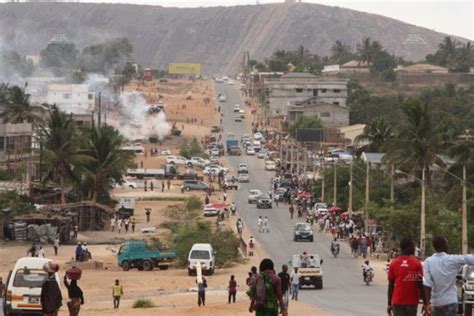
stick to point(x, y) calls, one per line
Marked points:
point(71, 98)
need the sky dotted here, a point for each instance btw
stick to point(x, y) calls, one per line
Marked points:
point(454, 17)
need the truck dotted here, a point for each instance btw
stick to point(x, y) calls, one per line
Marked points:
point(232, 146)
point(137, 254)
point(310, 268)
point(148, 74)
point(167, 171)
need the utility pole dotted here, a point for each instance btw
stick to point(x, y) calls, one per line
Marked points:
point(367, 188)
point(422, 213)
point(322, 185)
point(464, 211)
point(334, 200)
point(392, 184)
point(100, 111)
point(350, 192)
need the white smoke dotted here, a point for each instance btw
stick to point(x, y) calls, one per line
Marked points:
point(135, 121)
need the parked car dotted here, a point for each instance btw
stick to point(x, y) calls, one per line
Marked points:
point(253, 195)
point(176, 160)
point(264, 201)
point(214, 170)
point(189, 185)
point(126, 184)
point(270, 165)
point(215, 129)
point(465, 288)
point(210, 211)
point(198, 161)
point(303, 231)
point(257, 136)
point(166, 152)
point(250, 151)
point(215, 151)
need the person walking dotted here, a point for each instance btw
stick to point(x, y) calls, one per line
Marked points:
point(168, 184)
point(291, 209)
point(51, 297)
point(163, 186)
point(126, 223)
point(152, 185)
point(32, 250)
point(265, 302)
point(133, 222)
point(295, 284)
point(285, 285)
point(119, 225)
point(148, 213)
point(40, 252)
point(224, 196)
point(79, 252)
point(202, 292)
point(76, 297)
point(439, 279)
point(266, 227)
point(117, 292)
point(112, 223)
point(405, 282)
point(232, 289)
point(56, 245)
point(251, 246)
point(252, 276)
point(260, 224)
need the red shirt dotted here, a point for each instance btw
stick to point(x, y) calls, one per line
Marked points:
point(406, 271)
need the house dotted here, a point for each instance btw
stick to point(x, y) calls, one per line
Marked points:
point(71, 98)
point(351, 132)
point(422, 68)
point(354, 66)
point(331, 115)
point(294, 87)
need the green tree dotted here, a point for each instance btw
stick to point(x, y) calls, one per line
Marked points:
point(107, 161)
point(383, 65)
point(367, 50)
point(304, 122)
point(376, 133)
point(417, 141)
point(17, 106)
point(62, 155)
point(341, 53)
point(60, 55)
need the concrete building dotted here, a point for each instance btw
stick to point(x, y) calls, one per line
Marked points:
point(331, 115)
point(422, 68)
point(71, 98)
point(291, 88)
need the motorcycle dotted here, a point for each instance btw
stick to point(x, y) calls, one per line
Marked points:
point(335, 250)
point(369, 276)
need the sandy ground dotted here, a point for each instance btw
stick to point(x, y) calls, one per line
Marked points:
point(172, 291)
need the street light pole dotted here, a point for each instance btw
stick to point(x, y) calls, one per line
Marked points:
point(350, 192)
point(334, 200)
point(464, 211)
point(422, 213)
point(392, 184)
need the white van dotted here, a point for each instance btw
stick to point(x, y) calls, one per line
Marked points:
point(257, 145)
point(23, 286)
point(205, 254)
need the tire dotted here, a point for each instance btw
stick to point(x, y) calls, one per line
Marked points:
point(189, 164)
point(147, 265)
point(467, 309)
point(187, 188)
point(125, 265)
point(312, 239)
point(319, 285)
point(163, 267)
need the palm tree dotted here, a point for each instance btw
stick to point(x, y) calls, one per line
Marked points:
point(367, 50)
point(446, 50)
point(18, 107)
point(341, 52)
point(108, 161)
point(376, 133)
point(417, 140)
point(60, 150)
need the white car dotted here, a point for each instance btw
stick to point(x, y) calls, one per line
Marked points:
point(250, 151)
point(211, 211)
point(230, 82)
point(253, 195)
point(243, 165)
point(244, 177)
point(222, 98)
point(166, 152)
point(257, 136)
point(242, 112)
point(215, 152)
point(261, 154)
point(214, 170)
point(176, 160)
point(270, 165)
point(237, 108)
point(198, 161)
point(230, 135)
point(127, 184)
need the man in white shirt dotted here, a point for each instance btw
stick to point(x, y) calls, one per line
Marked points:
point(260, 224)
point(265, 225)
point(295, 284)
point(439, 279)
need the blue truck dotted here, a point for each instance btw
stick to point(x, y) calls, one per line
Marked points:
point(232, 146)
point(137, 254)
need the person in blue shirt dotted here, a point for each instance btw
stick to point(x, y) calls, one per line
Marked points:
point(79, 252)
point(439, 279)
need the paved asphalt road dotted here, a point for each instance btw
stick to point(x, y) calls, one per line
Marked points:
point(343, 293)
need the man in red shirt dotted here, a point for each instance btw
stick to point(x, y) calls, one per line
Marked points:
point(405, 282)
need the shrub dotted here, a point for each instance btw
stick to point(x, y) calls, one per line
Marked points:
point(143, 303)
point(194, 203)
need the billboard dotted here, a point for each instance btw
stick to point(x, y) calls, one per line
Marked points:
point(184, 69)
point(310, 135)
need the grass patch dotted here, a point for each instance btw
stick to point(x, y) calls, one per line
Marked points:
point(143, 303)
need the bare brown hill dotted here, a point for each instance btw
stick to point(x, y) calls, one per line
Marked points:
point(215, 37)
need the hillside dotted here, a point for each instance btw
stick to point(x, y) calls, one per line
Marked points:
point(215, 37)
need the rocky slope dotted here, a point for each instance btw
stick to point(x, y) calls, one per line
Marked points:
point(216, 37)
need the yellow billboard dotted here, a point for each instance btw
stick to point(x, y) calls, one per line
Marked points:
point(184, 69)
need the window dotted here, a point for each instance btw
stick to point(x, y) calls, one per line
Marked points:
point(299, 90)
point(200, 254)
point(29, 278)
point(315, 92)
point(2, 143)
point(325, 114)
point(324, 90)
point(66, 96)
point(336, 103)
point(337, 90)
point(90, 96)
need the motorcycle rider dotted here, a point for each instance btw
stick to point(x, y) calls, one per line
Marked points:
point(334, 244)
point(366, 268)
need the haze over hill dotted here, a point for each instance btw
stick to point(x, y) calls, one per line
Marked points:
point(215, 37)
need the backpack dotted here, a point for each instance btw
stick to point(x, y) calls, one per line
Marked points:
point(264, 293)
